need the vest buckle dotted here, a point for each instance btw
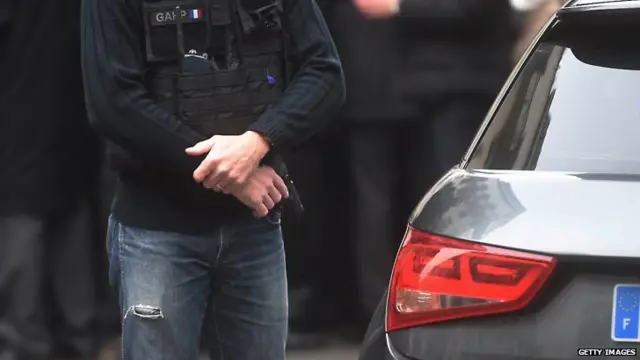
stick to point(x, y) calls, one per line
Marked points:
point(266, 17)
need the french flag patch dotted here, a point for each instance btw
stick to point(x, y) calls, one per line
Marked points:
point(196, 14)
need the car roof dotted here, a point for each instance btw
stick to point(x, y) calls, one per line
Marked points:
point(589, 2)
point(601, 4)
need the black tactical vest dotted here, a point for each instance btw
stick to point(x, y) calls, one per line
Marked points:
point(245, 45)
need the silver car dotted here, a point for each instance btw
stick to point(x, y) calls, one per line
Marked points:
point(530, 247)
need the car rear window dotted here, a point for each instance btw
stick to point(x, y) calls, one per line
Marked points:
point(575, 106)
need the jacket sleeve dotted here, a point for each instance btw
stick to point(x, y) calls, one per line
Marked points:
point(317, 90)
point(119, 106)
point(451, 11)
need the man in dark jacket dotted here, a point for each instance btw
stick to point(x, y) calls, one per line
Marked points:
point(49, 161)
point(185, 250)
point(451, 58)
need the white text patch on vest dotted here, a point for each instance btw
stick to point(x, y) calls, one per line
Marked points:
point(166, 17)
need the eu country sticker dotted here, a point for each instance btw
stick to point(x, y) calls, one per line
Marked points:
point(625, 322)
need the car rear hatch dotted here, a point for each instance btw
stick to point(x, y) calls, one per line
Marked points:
point(531, 259)
point(588, 225)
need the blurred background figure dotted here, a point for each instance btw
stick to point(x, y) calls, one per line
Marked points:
point(446, 60)
point(374, 120)
point(322, 303)
point(533, 15)
point(49, 161)
point(320, 271)
point(108, 314)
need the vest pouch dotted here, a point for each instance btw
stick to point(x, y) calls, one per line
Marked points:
point(161, 26)
point(214, 123)
point(260, 16)
point(256, 5)
point(224, 102)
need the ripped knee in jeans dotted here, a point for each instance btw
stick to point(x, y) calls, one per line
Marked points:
point(145, 312)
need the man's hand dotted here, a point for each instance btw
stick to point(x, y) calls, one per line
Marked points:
point(230, 161)
point(378, 8)
point(261, 192)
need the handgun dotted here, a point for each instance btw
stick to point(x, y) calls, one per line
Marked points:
point(294, 198)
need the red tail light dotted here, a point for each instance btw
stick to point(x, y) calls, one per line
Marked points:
point(437, 279)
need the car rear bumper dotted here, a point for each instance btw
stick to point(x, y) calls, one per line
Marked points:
point(379, 347)
point(574, 312)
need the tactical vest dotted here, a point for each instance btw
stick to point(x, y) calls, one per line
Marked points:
point(243, 41)
point(245, 44)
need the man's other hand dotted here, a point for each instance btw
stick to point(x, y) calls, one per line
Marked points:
point(230, 161)
point(261, 192)
point(378, 8)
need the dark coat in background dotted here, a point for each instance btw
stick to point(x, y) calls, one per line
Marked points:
point(48, 153)
point(450, 48)
point(49, 166)
point(6, 12)
point(371, 60)
point(434, 48)
point(438, 64)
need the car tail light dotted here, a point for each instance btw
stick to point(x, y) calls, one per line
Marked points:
point(437, 279)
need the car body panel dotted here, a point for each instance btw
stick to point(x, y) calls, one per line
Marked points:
point(493, 207)
point(572, 319)
point(574, 309)
point(595, 5)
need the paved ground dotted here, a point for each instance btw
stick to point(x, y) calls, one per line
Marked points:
point(338, 352)
point(335, 353)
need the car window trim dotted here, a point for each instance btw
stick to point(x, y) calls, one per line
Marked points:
point(515, 74)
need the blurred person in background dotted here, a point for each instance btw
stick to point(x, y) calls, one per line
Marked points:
point(452, 58)
point(321, 282)
point(49, 161)
point(533, 15)
point(373, 118)
point(108, 319)
point(323, 304)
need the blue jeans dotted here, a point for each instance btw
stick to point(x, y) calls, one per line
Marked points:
point(169, 283)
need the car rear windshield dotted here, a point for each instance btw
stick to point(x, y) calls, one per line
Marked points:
point(575, 105)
